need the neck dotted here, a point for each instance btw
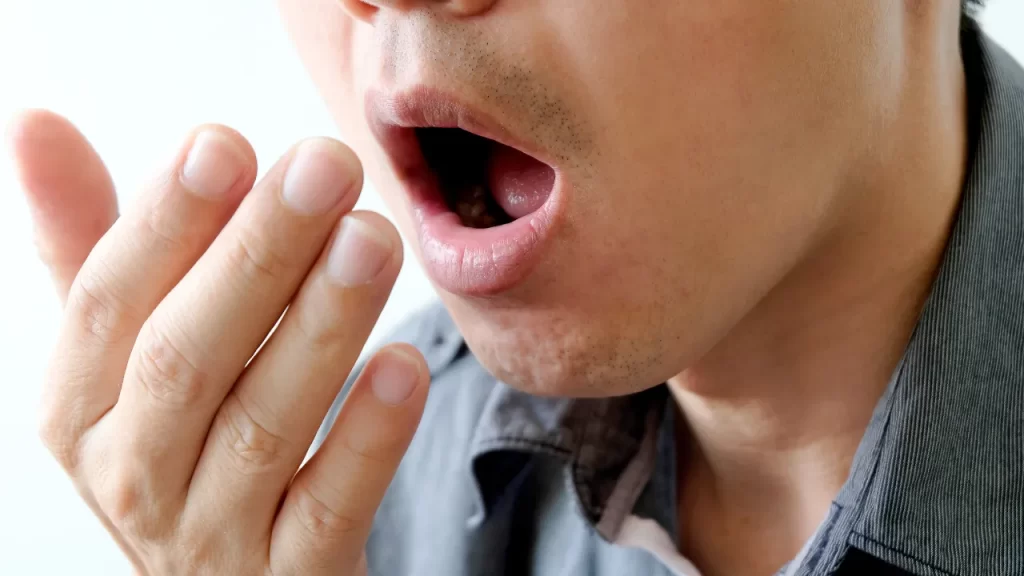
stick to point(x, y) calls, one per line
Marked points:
point(775, 411)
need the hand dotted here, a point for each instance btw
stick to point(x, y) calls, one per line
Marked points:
point(187, 450)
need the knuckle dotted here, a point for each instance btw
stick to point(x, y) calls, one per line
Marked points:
point(164, 232)
point(120, 499)
point(372, 448)
point(320, 521)
point(128, 496)
point(256, 258)
point(252, 447)
point(321, 327)
point(167, 372)
point(96, 306)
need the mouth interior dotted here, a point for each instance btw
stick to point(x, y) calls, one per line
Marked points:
point(484, 182)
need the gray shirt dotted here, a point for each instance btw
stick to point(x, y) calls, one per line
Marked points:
point(497, 482)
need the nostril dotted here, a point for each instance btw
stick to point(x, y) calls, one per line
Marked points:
point(359, 10)
point(366, 9)
point(468, 7)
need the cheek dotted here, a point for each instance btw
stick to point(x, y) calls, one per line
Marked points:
point(326, 39)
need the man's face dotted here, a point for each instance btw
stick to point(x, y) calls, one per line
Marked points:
point(681, 158)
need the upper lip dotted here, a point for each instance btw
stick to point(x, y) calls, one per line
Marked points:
point(393, 116)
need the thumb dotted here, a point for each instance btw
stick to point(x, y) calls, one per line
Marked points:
point(69, 191)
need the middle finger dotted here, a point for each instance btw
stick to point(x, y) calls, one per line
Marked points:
point(268, 420)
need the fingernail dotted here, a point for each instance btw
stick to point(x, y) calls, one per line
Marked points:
point(317, 178)
point(213, 165)
point(395, 377)
point(359, 253)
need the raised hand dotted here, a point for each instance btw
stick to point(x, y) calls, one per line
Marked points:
point(184, 440)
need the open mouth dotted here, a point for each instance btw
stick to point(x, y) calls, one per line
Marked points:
point(486, 203)
point(484, 182)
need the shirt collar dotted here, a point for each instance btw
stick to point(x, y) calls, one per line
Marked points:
point(938, 477)
point(609, 445)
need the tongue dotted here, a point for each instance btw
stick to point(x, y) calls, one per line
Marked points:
point(519, 183)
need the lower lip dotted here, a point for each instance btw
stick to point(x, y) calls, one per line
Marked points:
point(479, 261)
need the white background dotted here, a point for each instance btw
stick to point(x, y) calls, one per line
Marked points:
point(135, 76)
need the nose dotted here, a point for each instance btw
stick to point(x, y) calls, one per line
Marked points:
point(366, 9)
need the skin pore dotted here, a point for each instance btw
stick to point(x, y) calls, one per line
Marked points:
point(760, 196)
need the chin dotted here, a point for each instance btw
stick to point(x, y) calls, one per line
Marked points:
point(546, 353)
